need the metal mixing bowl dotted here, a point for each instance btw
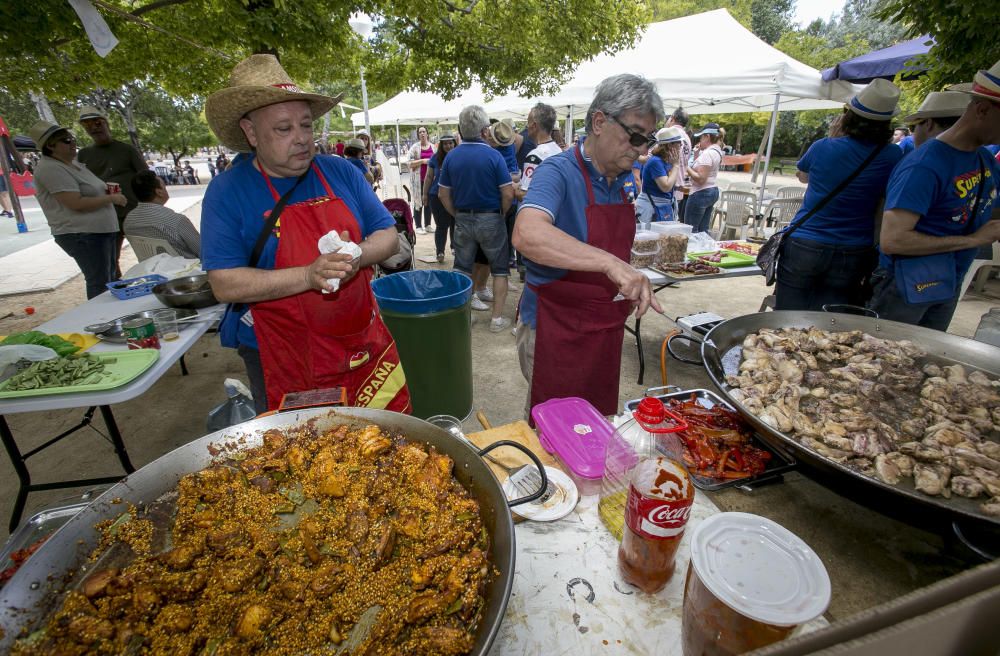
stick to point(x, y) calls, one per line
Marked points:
point(187, 292)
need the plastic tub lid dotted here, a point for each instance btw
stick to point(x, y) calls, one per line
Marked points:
point(760, 569)
point(574, 430)
point(645, 235)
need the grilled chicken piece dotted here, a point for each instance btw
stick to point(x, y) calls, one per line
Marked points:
point(887, 470)
point(966, 486)
point(932, 479)
point(372, 441)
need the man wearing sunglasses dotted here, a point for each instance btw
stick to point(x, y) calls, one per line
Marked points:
point(575, 230)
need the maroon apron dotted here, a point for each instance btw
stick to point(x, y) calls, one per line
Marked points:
point(314, 340)
point(579, 328)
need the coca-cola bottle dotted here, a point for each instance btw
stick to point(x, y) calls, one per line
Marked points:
point(657, 494)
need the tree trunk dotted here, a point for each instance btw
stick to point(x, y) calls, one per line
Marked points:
point(42, 106)
point(133, 132)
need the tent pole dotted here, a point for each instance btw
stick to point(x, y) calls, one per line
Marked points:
point(399, 159)
point(767, 158)
point(568, 133)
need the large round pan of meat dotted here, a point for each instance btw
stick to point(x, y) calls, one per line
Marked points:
point(85, 597)
point(905, 417)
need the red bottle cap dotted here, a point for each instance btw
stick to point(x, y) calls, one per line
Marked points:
point(654, 417)
point(29, 310)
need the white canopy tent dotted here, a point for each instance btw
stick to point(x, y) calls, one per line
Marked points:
point(724, 68)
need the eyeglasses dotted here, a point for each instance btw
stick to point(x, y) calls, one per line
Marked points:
point(68, 139)
point(637, 139)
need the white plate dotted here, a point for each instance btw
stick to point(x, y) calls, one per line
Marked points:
point(558, 506)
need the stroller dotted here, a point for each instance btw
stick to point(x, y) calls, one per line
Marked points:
point(404, 259)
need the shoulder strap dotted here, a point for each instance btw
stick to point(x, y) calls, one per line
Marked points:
point(272, 220)
point(839, 188)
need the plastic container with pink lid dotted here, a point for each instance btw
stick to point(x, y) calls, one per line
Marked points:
point(577, 434)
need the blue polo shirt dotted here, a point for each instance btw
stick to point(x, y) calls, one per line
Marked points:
point(557, 188)
point(906, 144)
point(358, 163)
point(474, 172)
point(655, 168)
point(849, 218)
point(232, 213)
point(939, 183)
point(509, 157)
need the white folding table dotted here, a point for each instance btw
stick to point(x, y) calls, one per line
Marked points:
point(102, 308)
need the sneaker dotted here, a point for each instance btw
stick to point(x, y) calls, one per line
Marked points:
point(499, 324)
point(478, 305)
point(485, 294)
point(7, 214)
point(421, 231)
point(440, 258)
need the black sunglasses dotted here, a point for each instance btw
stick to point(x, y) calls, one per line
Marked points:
point(637, 139)
point(68, 139)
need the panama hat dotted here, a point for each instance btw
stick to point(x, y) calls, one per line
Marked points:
point(257, 81)
point(89, 111)
point(986, 84)
point(502, 133)
point(710, 128)
point(879, 101)
point(669, 135)
point(940, 104)
point(42, 131)
point(355, 143)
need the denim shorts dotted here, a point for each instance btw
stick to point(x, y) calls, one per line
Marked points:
point(486, 231)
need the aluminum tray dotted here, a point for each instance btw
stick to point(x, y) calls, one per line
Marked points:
point(40, 525)
point(781, 461)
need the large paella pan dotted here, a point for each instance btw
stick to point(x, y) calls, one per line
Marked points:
point(722, 352)
point(41, 587)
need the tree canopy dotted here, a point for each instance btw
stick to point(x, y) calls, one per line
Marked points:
point(435, 45)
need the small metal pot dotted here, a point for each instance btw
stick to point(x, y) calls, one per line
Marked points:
point(187, 292)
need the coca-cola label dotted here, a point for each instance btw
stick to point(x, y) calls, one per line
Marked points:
point(656, 518)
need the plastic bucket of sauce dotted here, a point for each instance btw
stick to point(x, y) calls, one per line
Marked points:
point(749, 584)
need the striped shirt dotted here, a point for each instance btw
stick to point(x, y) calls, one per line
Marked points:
point(160, 222)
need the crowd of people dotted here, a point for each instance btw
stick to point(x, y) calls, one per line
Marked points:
point(879, 226)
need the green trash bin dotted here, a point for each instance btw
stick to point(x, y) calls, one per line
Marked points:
point(428, 314)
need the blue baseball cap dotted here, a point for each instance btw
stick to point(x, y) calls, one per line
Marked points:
point(710, 128)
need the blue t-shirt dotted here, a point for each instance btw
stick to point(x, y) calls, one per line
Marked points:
point(655, 168)
point(509, 158)
point(358, 163)
point(994, 149)
point(232, 213)
point(474, 172)
point(849, 218)
point(906, 144)
point(939, 183)
point(557, 188)
point(433, 166)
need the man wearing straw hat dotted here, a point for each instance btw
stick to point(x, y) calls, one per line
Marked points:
point(301, 320)
point(940, 207)
point(939, 111)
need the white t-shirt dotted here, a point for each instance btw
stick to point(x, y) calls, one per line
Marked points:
point(683, 180)
point(53, 177)
point(538, 154)
point(712, 158)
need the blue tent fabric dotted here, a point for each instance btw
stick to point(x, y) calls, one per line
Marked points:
point(885, 63)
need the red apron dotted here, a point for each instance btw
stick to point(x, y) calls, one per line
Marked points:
point(314, 340)
point(578, 327)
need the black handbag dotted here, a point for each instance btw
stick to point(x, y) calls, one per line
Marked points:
point(767, 256)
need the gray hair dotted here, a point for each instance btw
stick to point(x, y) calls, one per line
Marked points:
point(471, 121)
point(545, 116)
point(621, 94)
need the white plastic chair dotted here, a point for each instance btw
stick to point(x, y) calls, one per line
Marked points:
point(782, 211)
point(979, 272)
point(147, 247)
point(790, 192)
point(735, 208)
point(741, 186)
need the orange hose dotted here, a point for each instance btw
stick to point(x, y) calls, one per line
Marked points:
point(663, 355)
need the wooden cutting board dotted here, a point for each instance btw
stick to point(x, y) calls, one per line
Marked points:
point(519, 432)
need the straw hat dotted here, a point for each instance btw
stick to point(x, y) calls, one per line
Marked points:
point(42, 131)
point(940, 104)
point(502, 133)
point(257, 81)
point(879, 101)
point(89, 111)
point(447, 136)
point(986, 84)
point(672, 134)
point(355, 143)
